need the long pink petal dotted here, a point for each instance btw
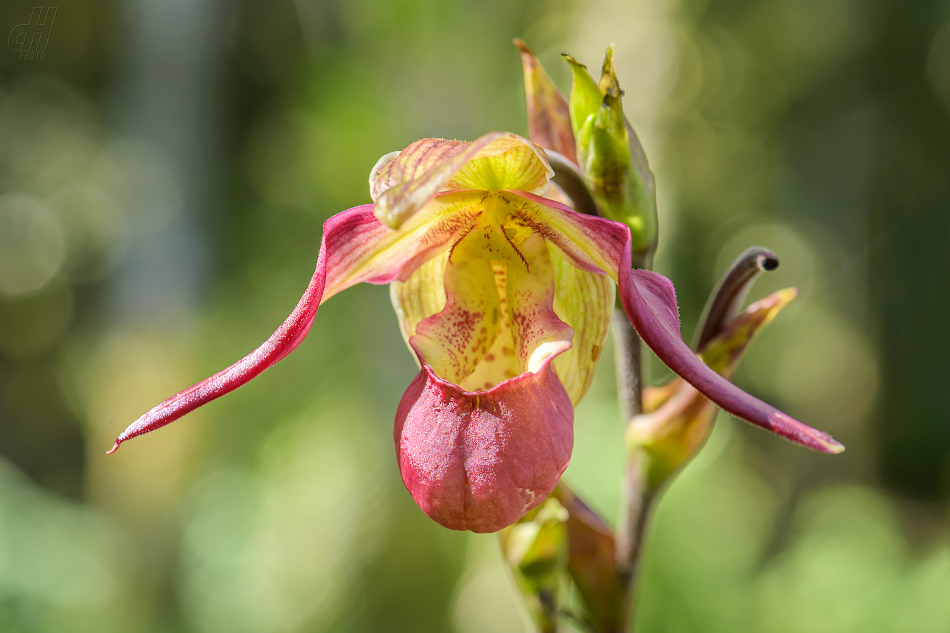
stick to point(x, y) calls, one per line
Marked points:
point(356, 247)
point(650, 303)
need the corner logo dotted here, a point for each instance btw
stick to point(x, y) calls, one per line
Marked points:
point(30, 39)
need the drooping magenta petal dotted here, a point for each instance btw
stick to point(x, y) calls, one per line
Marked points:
point(650, 303)
point(480, 460)
point(356, 247)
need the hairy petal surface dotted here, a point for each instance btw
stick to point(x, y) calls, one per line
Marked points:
point(649, 300)
point(402, 184)
point(356, 247)
point(480, 461)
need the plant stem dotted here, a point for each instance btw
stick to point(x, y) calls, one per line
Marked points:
point(638, 495)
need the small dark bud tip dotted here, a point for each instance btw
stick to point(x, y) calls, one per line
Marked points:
point(770, 263)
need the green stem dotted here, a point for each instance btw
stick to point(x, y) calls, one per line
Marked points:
point(638, 494)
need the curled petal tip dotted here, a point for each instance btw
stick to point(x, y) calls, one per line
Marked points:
point(730, 292)
point(758, 257)
point(114, 448)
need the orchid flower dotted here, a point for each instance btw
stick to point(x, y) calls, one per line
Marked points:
point(505, 297)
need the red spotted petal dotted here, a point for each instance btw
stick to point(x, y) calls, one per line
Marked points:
point(480, 460)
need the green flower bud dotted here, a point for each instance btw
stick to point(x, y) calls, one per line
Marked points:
point(611, 157)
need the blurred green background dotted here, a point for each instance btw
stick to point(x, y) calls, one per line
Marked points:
point(166, 168)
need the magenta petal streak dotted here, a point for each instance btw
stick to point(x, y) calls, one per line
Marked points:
point(480, 460)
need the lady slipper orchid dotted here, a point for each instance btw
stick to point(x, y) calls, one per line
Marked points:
point(505, 298)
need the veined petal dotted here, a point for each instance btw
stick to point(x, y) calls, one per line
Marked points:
point(649, 300)
point(356, 247)
point(420, 296)
point(403, 184)
point(480, 461)
point(589, 242)
point(584, 296)
point(371, 252)
point(501, 362)
point(412, 163)
point(586, 301)
point(537, 332)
